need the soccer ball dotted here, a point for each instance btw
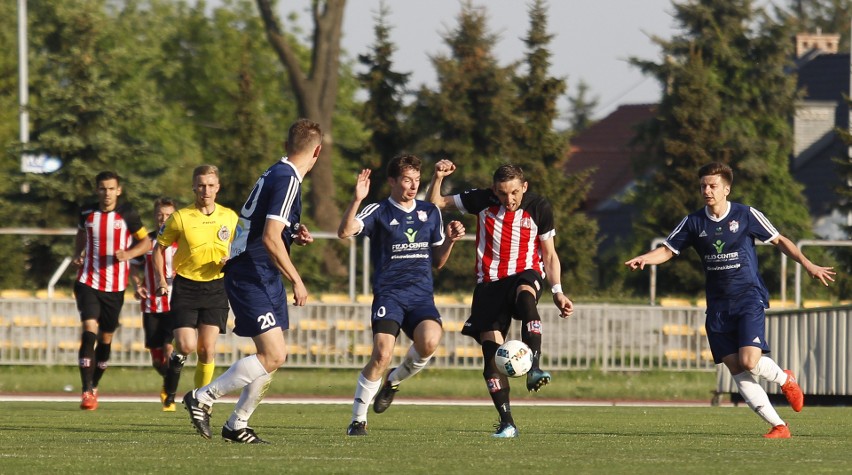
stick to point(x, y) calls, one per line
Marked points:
point(514, 358)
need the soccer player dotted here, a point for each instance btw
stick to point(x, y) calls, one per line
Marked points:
point(203, 232)
point(103, 249)
point(270, 223)
point(406, 240)
point(514, 254)
point(723, 233)
point(156, 321)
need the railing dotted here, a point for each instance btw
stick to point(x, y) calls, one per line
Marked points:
point(814, 343)
point(606, 337)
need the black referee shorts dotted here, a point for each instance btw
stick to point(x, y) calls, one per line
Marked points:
point(197, 303)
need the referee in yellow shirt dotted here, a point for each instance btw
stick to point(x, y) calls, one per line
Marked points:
point(203, 231)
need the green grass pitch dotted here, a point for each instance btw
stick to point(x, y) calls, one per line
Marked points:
point(121, 437)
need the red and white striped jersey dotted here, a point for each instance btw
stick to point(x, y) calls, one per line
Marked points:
point(106, 233)
point(157, 303)
point(507, 242)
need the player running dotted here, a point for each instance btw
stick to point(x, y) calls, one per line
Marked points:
point(156, 319)
point(723, 233)
point(270, 223)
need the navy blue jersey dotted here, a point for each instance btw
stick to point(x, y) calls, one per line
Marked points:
point(727, 250)
point(401, 245)
point(276, 195)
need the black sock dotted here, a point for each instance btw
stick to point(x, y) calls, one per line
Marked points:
point(172, 378)
point(531, 329)
point(498, 384)
point(86, 360)
point(102, 352)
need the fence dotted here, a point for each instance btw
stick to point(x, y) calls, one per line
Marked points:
point(607, 337)
point(814, 343)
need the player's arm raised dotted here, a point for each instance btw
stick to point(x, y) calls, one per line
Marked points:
point(349, 226)
point(443, 169)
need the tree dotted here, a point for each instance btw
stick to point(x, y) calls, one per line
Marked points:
point(582, 109)
point(384, 107)
point(729, 97)
point(542, 150)
point(470, 118)
point(315, 91)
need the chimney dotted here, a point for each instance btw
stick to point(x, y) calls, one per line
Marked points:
point(825, 43)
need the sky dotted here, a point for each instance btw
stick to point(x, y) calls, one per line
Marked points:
point(592, 39)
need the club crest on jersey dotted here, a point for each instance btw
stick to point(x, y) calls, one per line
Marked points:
point(224, 233)
point(734, 226)
point(526, 222)
point(421, 215)
point(117, 225)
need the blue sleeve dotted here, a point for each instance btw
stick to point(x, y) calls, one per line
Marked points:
point(681, 237)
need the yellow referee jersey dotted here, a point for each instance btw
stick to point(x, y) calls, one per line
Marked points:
point(203, 241)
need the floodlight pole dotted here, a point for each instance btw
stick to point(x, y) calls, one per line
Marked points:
point(23, 72)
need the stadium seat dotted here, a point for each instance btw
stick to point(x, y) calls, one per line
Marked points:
point(65, 321)
point(675, 302)
point(132, 322)
point(781, 304)
point(706, 355)
point(69, 345)
point(324, 350)
point(677, 330)
point(362, 350)
point(350, 325)
point(313, 325)
point(335, 298)
point(679, 354)
point(28, 321)
point(296, 350)
point(451, 326)
point(467, 352)
point(816, 303)
point(446, 300)
point(15, 294)
point(361, 298)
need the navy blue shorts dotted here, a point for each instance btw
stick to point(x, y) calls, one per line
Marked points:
point(735, 324)
point(407, 314)
point(258, 305)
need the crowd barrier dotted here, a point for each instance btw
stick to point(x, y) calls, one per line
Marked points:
point(604, 337)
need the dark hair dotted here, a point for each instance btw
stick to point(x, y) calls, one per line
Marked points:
point(304, 134)
point(508, 172)
point(164, 201)
point(717, 168)
point(400, 163)
point(107, 175)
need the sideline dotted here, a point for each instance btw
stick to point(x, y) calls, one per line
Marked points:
point(348, 401)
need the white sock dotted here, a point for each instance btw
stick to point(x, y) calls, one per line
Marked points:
point(756, 398)
point(769, 370)
point(411, 365)
point(239, 375)
point(365, 391)
point(249, 400)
